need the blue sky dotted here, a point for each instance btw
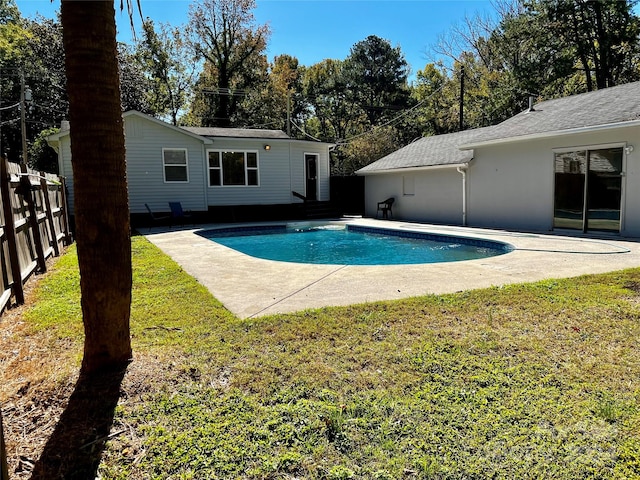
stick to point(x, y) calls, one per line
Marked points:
point(313, 30)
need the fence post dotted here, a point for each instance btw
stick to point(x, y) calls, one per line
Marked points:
point(10, 232)
point(25, 184)
point(47, 206)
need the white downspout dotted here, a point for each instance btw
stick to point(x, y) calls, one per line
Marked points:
point(463, 171)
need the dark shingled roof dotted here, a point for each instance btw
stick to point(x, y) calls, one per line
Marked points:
point(429, 151)
point(603, 107)
point(236, 132)
point(552, 117)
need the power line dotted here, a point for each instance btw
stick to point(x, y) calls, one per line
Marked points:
point(305, 133)
point(260, 125)
point(10, 106)
point(226, 92)
point(9, 122)
point(393, 120)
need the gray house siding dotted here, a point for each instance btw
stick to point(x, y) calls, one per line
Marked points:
point(511, 169)
point(512, 185)
point(509, 185)
point(631, 187)
point(430, 195)
point(280, 168)
point(273, 175)
point(145, 141)
point(298, 169)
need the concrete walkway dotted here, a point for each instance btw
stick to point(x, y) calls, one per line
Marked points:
point(251, 287)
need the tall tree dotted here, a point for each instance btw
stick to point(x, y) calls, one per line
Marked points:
point(169, 67)
point(13, 38)
point(279, 99)
point(224, 34)
point(44, 72)
point(134, 84)
point(433, 116)
point(367, 148)
point(30, 50)
point(603, 34)
point(100, 186)
point(377, 74)
point(337, 114)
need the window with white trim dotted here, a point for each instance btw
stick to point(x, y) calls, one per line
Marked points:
point(176, 168)
point(233, 168)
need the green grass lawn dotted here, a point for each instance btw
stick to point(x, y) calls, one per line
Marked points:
point(528, 381)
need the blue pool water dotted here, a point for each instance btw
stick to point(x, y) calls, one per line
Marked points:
point(352, 245)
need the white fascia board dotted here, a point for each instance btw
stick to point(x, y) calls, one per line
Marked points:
point(555, 133)
point(415, 169)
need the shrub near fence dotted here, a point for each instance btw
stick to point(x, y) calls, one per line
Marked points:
point(34, 225)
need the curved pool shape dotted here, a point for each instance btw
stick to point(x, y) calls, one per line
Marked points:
point(352, 245)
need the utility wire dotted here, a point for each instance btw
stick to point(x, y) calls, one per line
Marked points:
point(305, 133)
point(393, 120)
point(10, 106)
point(227, 92)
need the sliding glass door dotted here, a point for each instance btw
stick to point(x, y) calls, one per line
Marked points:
point(588, 189)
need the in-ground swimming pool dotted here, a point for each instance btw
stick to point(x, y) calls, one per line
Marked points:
point(339, 244)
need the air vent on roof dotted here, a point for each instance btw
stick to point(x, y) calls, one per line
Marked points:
point(531, 99)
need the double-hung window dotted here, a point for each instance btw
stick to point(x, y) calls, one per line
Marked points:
point(233, 168)
point(175, 165)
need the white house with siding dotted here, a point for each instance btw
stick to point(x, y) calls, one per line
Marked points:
point(211, 167)
point(569, 164)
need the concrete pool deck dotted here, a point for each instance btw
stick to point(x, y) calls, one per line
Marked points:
point(251, 287)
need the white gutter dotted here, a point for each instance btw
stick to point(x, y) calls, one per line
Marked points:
point(555, 133)
point(414, 169)
point(463, 171)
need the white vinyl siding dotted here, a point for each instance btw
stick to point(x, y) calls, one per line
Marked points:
point(65, 168)
point(281, 171)
point(277, 171)
point(146, 172)
point(298, 178)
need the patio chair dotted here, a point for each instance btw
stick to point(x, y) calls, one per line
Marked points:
point(154, 216)
point(385, 207)
point(177, 213)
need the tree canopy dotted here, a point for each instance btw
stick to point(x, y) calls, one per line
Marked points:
point(214, 72)
point(223, 34)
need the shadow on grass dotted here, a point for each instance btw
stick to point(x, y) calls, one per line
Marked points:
point(74, 449)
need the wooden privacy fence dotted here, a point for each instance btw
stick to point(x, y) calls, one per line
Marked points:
point(34, 225)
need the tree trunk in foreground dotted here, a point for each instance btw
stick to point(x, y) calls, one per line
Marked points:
point(99, 180)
